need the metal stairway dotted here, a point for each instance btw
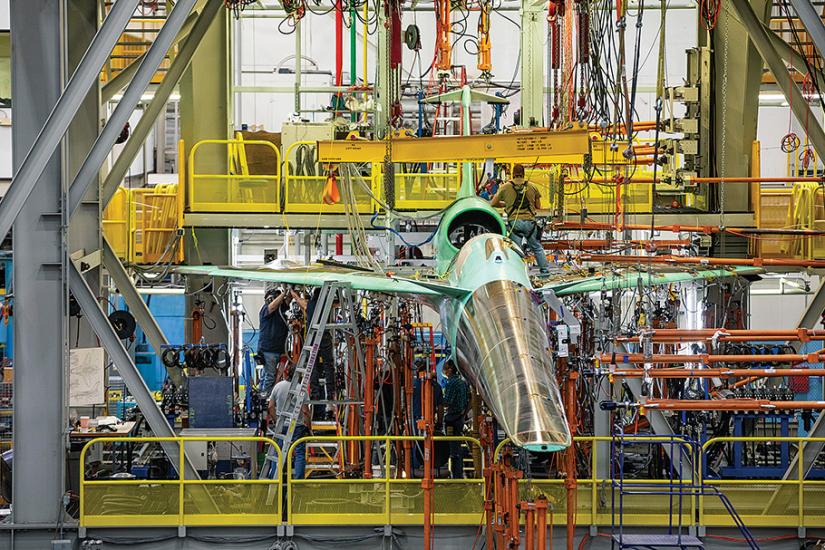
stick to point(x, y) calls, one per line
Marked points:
point(298, 393)
point(681, 450)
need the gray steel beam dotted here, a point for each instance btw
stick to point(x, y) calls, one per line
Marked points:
point(813, 24)
point(791, 91)
point(90, 170)
point(122, 78)
point(137, 306)
point(125, 366)
point(790, 55)
point(40, 330)
point(56, 125)
point(158, 103)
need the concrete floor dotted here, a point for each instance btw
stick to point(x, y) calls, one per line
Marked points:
point(356, 538)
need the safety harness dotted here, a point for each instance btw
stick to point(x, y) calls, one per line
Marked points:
point(521, 201)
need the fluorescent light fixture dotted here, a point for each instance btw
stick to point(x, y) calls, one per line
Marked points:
point(148, 96)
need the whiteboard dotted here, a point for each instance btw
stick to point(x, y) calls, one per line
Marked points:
point(86, 385)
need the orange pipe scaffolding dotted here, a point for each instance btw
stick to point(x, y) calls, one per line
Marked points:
point(714, 373)
point(595, 244)
point(628, 358)
point(700, 260)
point(731, 405)
point(670, 336)
point(621, 180)
point(678, 228)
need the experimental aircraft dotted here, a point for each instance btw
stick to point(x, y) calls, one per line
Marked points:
point(491, 312)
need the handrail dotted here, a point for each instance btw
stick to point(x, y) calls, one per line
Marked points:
point(386, 480)
point(233, 146)
point(181, 482)
point(593, 483)
point(600, 438)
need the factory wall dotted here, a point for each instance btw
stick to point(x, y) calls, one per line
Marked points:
point(776, 120)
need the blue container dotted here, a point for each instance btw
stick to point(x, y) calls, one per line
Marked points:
point(210, 402)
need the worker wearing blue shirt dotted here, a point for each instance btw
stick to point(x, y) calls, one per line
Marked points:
point(272, 333)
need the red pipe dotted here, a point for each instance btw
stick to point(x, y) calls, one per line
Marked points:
point(594, 244)
point(529, 525)
point(699, 260)
point(714, 373)
point(197, 324)
point(541, 522)
point(339, 48)
point(627, 358)
point(731, 405)
point(701, 180)
point(408, 395)
point(707, 229)
point(601, 226)
point(722, 335)
point(369, 407)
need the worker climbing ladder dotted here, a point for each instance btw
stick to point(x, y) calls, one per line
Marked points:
point(298, 393)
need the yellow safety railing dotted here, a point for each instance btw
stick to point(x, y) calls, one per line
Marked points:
point(772, 213)
point(382, 500)
point(593, 494)
point(304, 192)
point(235, 189)
point(116, 225)
point(178, 502)
point(144, 225)
point(596, 197)
point(796, 502)
point(155, 225)
point(432, 190)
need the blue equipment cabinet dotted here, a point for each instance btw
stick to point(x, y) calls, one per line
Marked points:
point(169, 311)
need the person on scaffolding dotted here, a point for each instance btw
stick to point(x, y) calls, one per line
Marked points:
point(521, 201)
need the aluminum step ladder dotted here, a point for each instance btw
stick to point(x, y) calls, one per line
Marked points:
point(298, 393)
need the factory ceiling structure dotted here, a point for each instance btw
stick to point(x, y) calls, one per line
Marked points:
point(288, 274)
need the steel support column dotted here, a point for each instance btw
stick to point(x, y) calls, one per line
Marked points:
point(40, 335)
point(158, 103)
point(790, 90)
point(57, 123)
point(145, 319)
point(790, 55)
point(122, 78)
point(124, 364)
point(131, 97)
point(533, 35)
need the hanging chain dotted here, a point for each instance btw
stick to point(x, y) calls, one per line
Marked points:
point(724, 164)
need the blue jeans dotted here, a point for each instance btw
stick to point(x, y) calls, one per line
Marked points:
point(527, 230)
point(455, 427)
point(299, 455)
point(271, 360)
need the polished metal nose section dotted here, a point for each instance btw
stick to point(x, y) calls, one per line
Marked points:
point(502, 347)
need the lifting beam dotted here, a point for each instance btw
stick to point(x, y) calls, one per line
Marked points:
point(527, 146)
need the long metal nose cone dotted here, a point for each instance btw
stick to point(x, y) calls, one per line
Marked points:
point(502, 347)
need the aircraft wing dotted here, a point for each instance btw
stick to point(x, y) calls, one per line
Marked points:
point(317, 275)
point(632, 279)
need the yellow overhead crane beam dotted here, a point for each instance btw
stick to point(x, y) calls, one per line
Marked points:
point(533, 147)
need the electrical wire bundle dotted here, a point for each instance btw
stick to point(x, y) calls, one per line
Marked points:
point(357, 231)
point(237, 6)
